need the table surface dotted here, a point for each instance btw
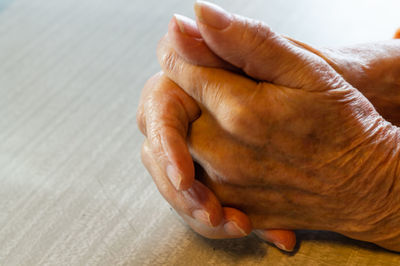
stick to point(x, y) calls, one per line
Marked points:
point(72, 188)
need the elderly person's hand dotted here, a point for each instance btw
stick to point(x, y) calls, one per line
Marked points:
point(363, 63)
point(313, 154)
point(372, 68)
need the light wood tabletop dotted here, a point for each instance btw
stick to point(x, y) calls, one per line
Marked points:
point(73, 190)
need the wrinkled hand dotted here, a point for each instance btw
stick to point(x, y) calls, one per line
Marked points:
point(167, 104)
point(372, 68)
point(359, 65)
point(290, 157)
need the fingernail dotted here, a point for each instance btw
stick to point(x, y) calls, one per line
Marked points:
point(180, 21)
point(282, 247)
point(212, 15)
point(187, 26)
point(233, 229)
point(202, 216)
point(174, 176)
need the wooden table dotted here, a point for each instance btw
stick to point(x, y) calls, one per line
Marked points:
point(72, 188)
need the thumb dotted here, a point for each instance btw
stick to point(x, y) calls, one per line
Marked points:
point(260, 52)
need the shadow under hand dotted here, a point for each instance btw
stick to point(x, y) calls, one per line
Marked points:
point(335, 238)
point(254, 247)
point(250, 246)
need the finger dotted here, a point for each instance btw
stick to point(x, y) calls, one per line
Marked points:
point(198, 201)
point(263, 54)
point(206, 85)
point(149, 86)
point(397, 34)
point(164, 118)
point(188, 43)
point(198, 205)
point(235, 225)
point(283, 239)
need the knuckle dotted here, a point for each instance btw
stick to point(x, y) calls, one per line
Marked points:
point(157, 141)
point(246, 124)
point(145, 154)
point(259, 38)
point(148, 92)
point(167, 56)
point(169, 60)
point(154, 139)
point(257, 35)
point(256, 32)
point(237, 116)
point(235, 119)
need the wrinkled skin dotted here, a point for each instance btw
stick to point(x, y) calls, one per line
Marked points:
point(293, 157)
point(341, 153)
point(374, 69)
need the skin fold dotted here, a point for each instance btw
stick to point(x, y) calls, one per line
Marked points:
point(282, 164)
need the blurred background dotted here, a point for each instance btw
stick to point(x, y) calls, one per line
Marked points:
point(72, 187)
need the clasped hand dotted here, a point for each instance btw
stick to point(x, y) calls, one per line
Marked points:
point(279, 136)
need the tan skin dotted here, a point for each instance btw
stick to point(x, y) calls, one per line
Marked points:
point(303, 126)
